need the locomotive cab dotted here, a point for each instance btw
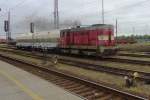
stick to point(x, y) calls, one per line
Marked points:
point(95, 40)
point(106, 40)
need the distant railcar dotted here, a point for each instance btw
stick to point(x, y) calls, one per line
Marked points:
point(126, 41)
point(92, 40)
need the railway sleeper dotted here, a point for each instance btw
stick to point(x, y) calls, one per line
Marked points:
point(96, 96)
point(78, 88)
point(105, 97)
point(57, 80)
point(62, 82)
point(73, 86)
point(88, 93)
point(67, 84)
point(83, 90)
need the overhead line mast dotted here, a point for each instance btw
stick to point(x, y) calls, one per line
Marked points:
point(9, 29)
point(56, 14)
point(103, 20)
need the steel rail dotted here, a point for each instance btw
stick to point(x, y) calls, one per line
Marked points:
point(131, 61)
point(135, 55)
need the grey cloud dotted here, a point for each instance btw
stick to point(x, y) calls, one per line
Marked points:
point(130, 13)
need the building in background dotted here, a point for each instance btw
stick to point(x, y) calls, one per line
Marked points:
point(2, 39)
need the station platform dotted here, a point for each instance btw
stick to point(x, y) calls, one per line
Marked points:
point(17, 84)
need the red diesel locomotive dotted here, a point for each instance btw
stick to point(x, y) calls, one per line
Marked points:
point(92, 40)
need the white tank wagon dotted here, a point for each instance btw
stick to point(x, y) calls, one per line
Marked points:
point(22, 40)
point(43, 40)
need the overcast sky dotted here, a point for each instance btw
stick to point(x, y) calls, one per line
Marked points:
point(133, 15)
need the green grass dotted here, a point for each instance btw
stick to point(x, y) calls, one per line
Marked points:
point(138, 47)
point(134, 67)
point(141, 89)
point(107, 78)
point(104, 77)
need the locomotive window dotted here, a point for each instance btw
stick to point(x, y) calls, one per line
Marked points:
point(100, 38)
point(103, 37)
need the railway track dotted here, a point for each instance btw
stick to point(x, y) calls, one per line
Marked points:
point(96, 67)
point(130, 61)
point(111, 59)
point(83, 87)
point(134, 55)
point(116, 71)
